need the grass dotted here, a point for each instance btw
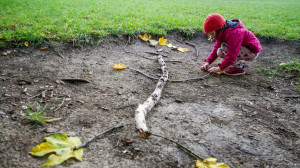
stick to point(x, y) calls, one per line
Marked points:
point(77, 20)
point(290, 69)
point(36, 117)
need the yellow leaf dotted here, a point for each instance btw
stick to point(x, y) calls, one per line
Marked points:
point(219, 73)
point(44, 48)
point(145, 37)
point(153, 43)
point(54, 36)
point(4, 53)
point(26, 43)
point(162, 41)
point(119, 66)
point(1, 37)
point(210, 163)
point(182, 49)
point(62, 146)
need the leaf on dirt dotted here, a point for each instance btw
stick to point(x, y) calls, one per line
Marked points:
point(210, 163)
point(219, 73)
point(119, 66)
point(162, 41)
point(62, 146)
point(182, 49)
point(4, 53)
point(26, 43)
point(44, 48)
point(145, 37)
point(153, 43)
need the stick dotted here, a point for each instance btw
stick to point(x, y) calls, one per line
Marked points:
point(59, 54)
point(186, 150)
point(59, 105)
point(120, 125)
point(149, 52)
point(142, 73)
point(141, 111)
point(191, 44)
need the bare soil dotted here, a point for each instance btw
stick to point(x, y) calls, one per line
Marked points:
point(245, 121)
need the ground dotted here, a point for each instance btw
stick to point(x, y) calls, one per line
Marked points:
point(245, 121)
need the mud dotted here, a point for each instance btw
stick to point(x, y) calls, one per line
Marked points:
point(245, 121)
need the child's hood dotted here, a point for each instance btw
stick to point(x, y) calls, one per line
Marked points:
point(240, 24)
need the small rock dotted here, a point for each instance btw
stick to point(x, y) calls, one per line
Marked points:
point(160, 50)
point(50, 130)
point(2, 112)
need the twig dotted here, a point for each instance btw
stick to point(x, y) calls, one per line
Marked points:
point(128, 41)
point(185, 149)
point(191, 44)
point(194, 45)
point(174, 61)
point(153, 53)
point(182, 80)
point(143, 73)
point(76, 80)
point(59, 54)
point(59, 105)
point(120, 125)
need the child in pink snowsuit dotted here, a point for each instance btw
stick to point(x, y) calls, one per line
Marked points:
point(233, 43)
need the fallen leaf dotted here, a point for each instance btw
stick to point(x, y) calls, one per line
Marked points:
point(62, 146)
point(219, 73)
point(153, 43)
point(4, 53)
point(119, 66)
point(145, 37)
point(90, 73)
point(182, 49)
point(170, 45)
point(162, 41)
point(210, 163)
point(44, 48)
point(1, 37)
point(26, 43)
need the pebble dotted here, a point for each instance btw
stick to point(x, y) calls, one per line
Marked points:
point(2, 112)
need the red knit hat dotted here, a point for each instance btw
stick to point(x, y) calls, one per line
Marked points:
point(213, 22)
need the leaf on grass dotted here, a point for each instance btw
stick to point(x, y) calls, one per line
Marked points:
point(162, 41)
point(26, 43)
point(145, 37)
point(119, 66)
point(62, 146)
point(182, 49)
point(210, 163)
point(153, 43)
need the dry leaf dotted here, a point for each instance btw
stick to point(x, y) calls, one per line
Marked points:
point(182, 49)
point(170, 45)
point(153, 43)
point(90, 73)
point(44, 48)
point(162, 41)
point(219, 73)
point(4, 53)
point(145, 37)
point(119, 66)
point(26, 43)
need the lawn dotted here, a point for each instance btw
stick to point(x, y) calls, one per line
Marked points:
point(69, 20)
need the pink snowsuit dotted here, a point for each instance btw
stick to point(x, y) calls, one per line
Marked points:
point(235, 38)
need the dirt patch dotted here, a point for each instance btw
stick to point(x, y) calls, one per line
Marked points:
point(245, 121)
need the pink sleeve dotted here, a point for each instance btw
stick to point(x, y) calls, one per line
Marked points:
point(213, 55)
point(234, 42)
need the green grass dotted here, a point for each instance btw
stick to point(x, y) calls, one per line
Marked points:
point(36, 116)
point(86, 20)
point(290, 69)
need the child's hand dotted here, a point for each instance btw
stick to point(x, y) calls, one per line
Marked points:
point(214, 70)
point(205, 66)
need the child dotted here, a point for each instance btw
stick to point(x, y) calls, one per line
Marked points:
point(233, 43)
